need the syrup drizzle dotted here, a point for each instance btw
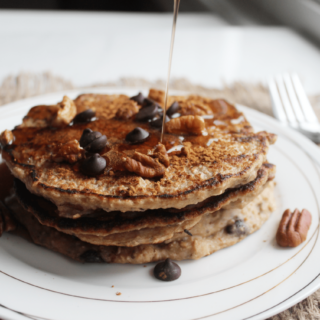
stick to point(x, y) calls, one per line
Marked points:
point(175, 16)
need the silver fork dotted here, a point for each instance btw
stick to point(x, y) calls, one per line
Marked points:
point(291, 106)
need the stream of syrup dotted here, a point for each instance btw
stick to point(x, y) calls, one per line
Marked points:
point(175, 16)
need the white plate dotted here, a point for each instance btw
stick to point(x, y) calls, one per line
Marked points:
point(253, 279)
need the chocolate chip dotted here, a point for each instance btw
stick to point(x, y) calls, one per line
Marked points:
point(157, 123)
point(137, 135)
point(139, 98)
point(92, 141)
point(147, 113)
point(91, 256)
point(188, 232)
point(167, 270)
point(97, 145)
point(84, 116)
point(173, 109)
point(238, 227)
point(93, 165)
point(86, 137)
point(147, 102)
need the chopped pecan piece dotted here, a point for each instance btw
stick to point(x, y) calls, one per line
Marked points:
point(70, 151)
point(271, 137)
point(144, 166)
point(127, 110)
point(6, 137)
point(157, 96)
point(293, 228)
point(57, 115)
point(186, 124)
point(39, 116)
point(66, 112)
point(187, 149)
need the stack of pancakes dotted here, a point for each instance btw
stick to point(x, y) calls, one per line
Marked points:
point(216, 190)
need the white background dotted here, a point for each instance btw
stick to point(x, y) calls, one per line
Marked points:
point(96, 47)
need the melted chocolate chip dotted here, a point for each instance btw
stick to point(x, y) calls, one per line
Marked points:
point(139, 98)
point(188, 232)
point(167, 270)
point(137, 135)
point(93, 165)
point(238, 227)
point(91, 256)
point(173, 109)
point(147, 113)
point(92, 141)
point(157, 123)
point(84, 116)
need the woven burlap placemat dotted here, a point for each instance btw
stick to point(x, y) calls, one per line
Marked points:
point(255, 96)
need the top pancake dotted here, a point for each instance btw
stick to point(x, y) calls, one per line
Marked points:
point(226, 155)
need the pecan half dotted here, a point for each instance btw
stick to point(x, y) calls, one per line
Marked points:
point(144, 166)
point(114, 160)
point(6, 137)
point(195, 105)
point(186, 124)
point(160, 152)
point(70, 151)
point(293, 228)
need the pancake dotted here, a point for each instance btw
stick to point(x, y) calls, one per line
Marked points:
point(209, 235)
point(152, 226)
point(128, 198)
point(229, 154)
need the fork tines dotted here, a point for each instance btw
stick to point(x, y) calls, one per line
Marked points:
point(291, 105)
